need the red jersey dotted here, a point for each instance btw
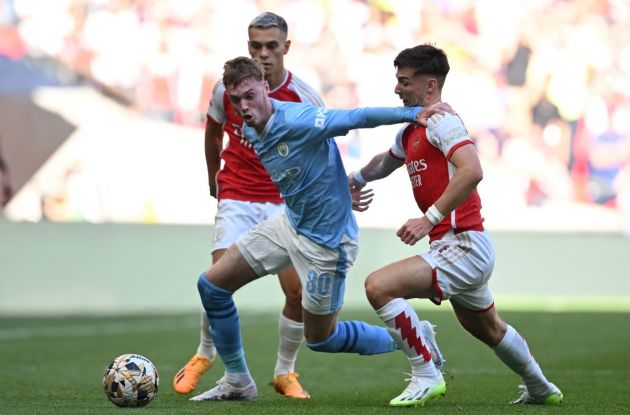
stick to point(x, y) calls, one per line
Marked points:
point(426, 153)
point(242, 176)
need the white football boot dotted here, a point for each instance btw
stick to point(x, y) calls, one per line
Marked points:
point(224, 391)
point(554, 397)
point(420, 391)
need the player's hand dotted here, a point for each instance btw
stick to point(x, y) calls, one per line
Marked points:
point(414, 230)
point(437, 108)
point(245, 143)
point(361, 199)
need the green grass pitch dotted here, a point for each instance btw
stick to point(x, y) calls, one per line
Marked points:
point(55, 366)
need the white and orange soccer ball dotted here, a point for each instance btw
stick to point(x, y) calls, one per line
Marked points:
point(131, 380)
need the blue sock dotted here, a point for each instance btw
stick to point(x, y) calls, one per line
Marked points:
point(225, 325)
point(356, 337)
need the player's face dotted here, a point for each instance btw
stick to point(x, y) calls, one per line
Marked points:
point(268, 47)
point(412, 89)
point(250, 101)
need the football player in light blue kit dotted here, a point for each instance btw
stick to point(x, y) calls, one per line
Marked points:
point(317, 232)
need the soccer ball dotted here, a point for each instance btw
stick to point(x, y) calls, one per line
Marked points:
point(131, 380)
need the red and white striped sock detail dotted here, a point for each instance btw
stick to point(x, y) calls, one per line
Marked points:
point(403, 325)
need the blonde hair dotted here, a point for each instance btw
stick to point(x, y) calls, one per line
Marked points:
point(237, 69)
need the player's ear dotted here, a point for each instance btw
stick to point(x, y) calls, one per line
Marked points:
point(287, 45)
point(433, 85)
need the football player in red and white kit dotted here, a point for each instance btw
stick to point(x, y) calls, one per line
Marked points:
point(247, 196)
point(444, 170)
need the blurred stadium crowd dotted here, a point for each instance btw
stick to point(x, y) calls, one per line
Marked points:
point(542, 85)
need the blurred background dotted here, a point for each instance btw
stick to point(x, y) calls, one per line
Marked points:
point(102, 108)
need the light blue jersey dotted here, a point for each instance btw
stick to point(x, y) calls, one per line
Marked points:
point(297, 149)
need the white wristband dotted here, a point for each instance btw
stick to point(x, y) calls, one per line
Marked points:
point(434, 215)
point(359, 178)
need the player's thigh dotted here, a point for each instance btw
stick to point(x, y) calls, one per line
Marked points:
point(232, 271)
point(235, 218)
point(408, 278)
point(290, 282)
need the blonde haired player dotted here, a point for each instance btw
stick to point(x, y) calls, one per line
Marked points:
point(247, 196)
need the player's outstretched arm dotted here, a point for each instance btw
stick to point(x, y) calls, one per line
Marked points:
point(338, 122)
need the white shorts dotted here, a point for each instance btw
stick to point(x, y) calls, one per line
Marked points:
point(236, 217)
point(274, 244)
point(462, 265)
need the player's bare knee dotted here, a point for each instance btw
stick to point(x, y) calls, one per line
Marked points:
point(293, 296)
point(377, 291)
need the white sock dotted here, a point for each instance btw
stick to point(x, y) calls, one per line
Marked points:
point(513, 351)
point(291, 338)
point(403, 325)
point(206, 344)
point(238, 379)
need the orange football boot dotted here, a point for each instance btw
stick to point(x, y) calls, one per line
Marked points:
point(289, 386)
point(187, 378)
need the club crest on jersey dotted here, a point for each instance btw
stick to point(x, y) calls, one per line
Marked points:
point(283, 149)
point(416, 143)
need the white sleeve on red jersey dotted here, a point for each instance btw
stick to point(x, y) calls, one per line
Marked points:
point(398, 149)
point(306, 92)
point(447, 131)
point(216, 109)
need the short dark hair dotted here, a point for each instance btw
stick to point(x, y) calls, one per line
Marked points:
point(238, 69)
point(425, 60)
point(268, 20)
